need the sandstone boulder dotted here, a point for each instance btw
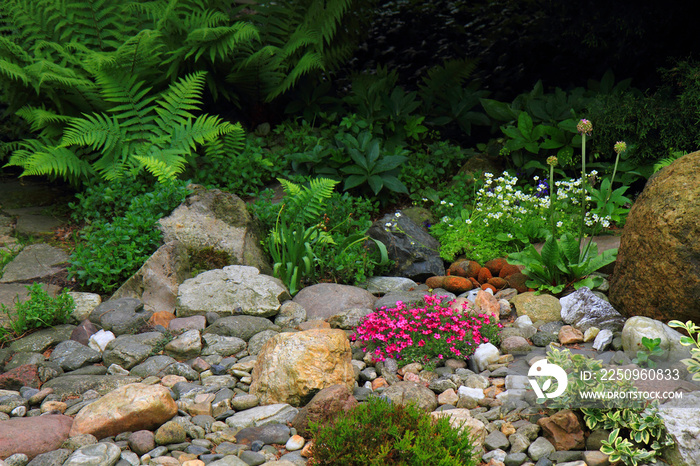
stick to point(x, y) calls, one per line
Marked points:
point(157, 281)
point(324, 406)
point(33, 435)
point(127, 409)
point(216, 220)
point(657, 273)
point(542, 307)
point(292, 367)
point(235, 289)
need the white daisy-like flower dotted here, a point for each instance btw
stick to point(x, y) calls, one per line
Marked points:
point(560, 224)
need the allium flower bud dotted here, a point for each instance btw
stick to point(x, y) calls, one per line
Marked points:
point(584, 127)
point(620, 147)
point(552, 160)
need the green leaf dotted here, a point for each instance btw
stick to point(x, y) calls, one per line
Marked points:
point(525, 125)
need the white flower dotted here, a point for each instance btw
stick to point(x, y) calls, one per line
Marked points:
point(451, 204)
point(388, 224)
point(443, 202)
point(397, 214)
point(468, 221)
point(560, 224)
point(536, 178)
point(425, 199)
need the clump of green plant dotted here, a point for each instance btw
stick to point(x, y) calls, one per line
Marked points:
point(350, 257)
point(379, 433)
point(104, 200)
point(651, 348)
point(638, 433)
point(109, 252)
point(692, 363)
point(40, 310)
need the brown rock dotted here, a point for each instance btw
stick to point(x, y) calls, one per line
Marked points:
point(495, 266)
point(484, 275)
point(457, 269)
point(519, 282)
point(380, 382)
point(33, 435)
point(307, 451)
point(83, 332)
point(487, 304)
point(22, 376)
point(457, 284)
point(293, 367)
point(141, 441)
point(661, 235)
point(564, 430)
point(324, 300)
point(129, 408)
point(508, 270)
point(461, 305)
point(323, 407)
point(569, 335)
point(435, 282)
point(497, 282)
point(162, 318)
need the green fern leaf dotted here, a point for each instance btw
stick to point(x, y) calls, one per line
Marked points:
point(175, 104)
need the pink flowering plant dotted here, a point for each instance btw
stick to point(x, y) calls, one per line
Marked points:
point(424, 334)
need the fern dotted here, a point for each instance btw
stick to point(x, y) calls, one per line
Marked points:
point(305, 204)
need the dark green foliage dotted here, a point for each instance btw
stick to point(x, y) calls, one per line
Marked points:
point(105, 200)
point(378, 433)
point(158, 133)
point(40, 310)
point(300, 39)
point(109, 252)
point(237, 164)
point(348, 258)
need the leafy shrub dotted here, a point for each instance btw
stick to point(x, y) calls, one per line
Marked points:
point(348, 258)
point(40, 310)
point(378, 433)
point(693, 340)
point(238, 165)
point(104, 200)
point(109, 252)
point(421, 334)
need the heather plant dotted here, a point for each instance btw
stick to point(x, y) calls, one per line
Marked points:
point(380, 433)
point(425, 334)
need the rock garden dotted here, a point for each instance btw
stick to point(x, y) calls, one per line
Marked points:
point(223, 244)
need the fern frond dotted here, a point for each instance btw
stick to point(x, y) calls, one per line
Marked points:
point(310, 61)
point(135, 107)
point(100, 132)
point(305, 204)
point(173, 107)
point(39, 117)
point(37, 158)
point(91, 22)
point(204, 128)
point(217, 42)
point(165, 165)
point(13, 71)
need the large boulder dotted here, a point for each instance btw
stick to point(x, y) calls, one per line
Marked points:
point(129, 408)
point(657, 273)
point(639, 327)
point(582, 309)
point(218, 221)
point(415, 253)
point(33, 435)
point(324, 300)
point(293, 367)
point(235, 289)
point(681, 419)
point(157, 281)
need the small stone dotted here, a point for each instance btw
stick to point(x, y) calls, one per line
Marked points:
point(603, 340)
point(448, 397)
point(295, 442)
point(590, 334)
point(568, 335)
point(540, 448)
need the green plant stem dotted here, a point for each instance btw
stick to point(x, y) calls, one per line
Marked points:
point(583, 186)
point(612, 180)
point(551, 199)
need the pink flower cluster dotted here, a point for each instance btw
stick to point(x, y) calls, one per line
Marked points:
point(428, 331)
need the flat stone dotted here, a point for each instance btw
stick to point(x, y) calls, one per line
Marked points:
point(72, 385)
point(34, 261)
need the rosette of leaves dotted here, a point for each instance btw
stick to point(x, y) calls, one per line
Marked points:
point(372, 169)
point(562, 263)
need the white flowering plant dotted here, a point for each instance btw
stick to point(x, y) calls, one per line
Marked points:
point(505, 217)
